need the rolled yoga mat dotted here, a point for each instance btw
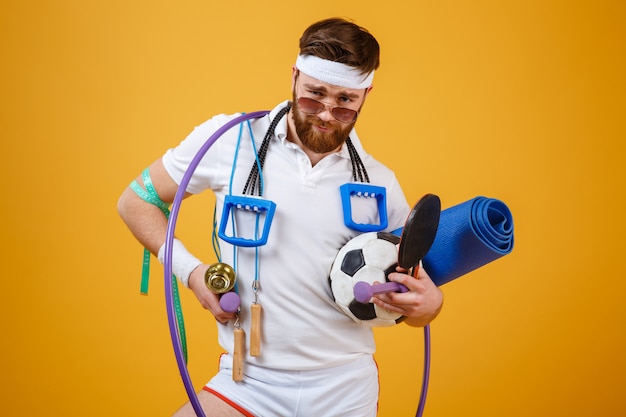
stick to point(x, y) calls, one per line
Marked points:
point(470, 235)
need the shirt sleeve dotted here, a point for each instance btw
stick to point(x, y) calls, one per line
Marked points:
point(207, 174)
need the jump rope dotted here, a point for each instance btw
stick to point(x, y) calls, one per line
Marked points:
point(483, 225)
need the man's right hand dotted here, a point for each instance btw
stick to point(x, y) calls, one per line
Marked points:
point(208, 299)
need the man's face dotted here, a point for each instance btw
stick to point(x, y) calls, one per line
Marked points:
point(321, 132)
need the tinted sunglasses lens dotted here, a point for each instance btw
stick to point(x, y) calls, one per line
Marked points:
point(344, 115)
point(310, 106)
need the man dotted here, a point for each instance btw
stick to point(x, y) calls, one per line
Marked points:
point(314, 360)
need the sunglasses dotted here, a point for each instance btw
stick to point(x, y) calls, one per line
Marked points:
point(341, 114)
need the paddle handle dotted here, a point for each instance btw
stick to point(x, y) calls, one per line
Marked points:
point(363, 291)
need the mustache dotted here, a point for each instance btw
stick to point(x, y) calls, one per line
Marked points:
point(316, 121)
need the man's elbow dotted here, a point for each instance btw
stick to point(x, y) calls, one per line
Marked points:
point(124, 204)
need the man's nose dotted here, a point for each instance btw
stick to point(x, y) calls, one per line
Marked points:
point(326, 114)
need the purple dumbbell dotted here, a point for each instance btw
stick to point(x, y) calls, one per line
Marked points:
point(363, 291)
point(230, 302)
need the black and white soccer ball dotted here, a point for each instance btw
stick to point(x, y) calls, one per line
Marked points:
point(368, 257)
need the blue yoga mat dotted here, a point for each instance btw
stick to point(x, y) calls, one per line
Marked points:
point(470, 235)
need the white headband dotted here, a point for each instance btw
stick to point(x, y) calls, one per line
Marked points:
point(334, 73)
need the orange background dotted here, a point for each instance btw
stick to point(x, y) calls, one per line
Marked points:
point(517, 100)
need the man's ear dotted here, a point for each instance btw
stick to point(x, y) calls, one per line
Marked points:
point(294, 76)
point(367, 91)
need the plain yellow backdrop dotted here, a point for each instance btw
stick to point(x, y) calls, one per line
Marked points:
point(517, 100)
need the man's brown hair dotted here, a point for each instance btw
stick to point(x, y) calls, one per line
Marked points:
point(339, 40)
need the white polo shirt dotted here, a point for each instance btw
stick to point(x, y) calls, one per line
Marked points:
point(302, 328)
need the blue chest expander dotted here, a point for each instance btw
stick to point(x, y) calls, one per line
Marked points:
point(266, 208)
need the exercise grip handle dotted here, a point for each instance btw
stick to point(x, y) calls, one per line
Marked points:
point(252, 204)
point(364, 190)
point(363, 292)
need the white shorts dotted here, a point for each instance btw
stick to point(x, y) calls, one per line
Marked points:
point(349, 390)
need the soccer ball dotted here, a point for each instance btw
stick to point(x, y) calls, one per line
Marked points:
point(368, 257)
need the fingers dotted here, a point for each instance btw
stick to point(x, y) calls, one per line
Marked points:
point(210, 301)
point(411, 282)
point(422, 292)
point(407, 280)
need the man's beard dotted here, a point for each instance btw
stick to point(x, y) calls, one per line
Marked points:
point(312, 138)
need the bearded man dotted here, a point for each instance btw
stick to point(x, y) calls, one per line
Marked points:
point(309, 358)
